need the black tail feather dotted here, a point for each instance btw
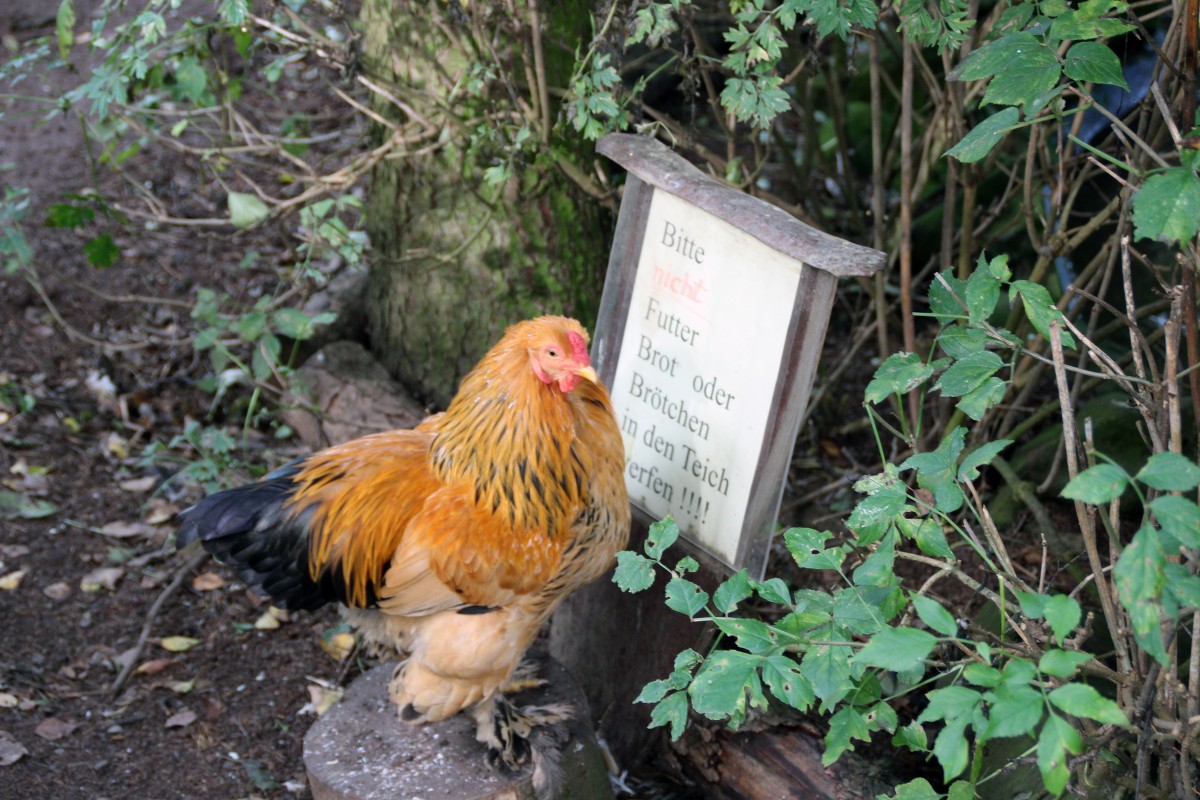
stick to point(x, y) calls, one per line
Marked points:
point(250, 529)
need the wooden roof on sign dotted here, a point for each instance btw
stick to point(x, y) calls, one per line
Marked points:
point(662, 168)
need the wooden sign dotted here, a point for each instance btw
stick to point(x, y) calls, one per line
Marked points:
point(712, 320)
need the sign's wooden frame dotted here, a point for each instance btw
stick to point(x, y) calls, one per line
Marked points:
point(652, 167)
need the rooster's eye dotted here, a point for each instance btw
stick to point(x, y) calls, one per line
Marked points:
point(550, 351)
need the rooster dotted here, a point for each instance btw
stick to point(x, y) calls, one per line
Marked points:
point(449, 544)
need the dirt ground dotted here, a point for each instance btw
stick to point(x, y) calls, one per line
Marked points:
point(224, 718)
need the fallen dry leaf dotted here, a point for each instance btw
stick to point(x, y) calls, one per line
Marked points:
point(178, 644)
point(155, 666)
point(101, 577)
point(54, 728)
point(139, 485)
point(159, 511)
point(271, 619)
point(115, 445)
point(11, 750)
point(12, 580)
point(207, 582)
point(8, 700)
point(321, 699)
point(181, 687)
point(126, 530)
point(13, 550)
point(181, 719)
point(57, 591)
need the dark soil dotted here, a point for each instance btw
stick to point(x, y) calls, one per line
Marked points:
point(224, 719)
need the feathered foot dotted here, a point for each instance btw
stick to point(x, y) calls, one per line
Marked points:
point(517, 735)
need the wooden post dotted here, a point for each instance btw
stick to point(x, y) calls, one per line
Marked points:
point(712, 320)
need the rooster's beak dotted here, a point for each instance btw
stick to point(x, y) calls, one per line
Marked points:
point(589, 373)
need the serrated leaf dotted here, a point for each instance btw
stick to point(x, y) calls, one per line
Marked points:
point(1040, 310)
point(662, 534)
point(946, 294)
point(982, 675)
point(1057, 740)
point(827, 669)
point(950, 703)
point(959, 341)
point(876, 568)
point(898, 374)
point(844, 727)
point(912, 736)
point(774, 590)
point(1063, 613)
point(1138, 574)
point(719, 690)
point(732, 591)
point(927, 533)
point(950, 748)
point(1170, 472)
point(993, 57)
point(1167, 207)
point(784, 679)
point(685, 596)
point(976, 402)
point(918, 789)
point(983, 292)
point(1015, 711)
point(1074, 26)
point(1179, 517)
point(938, 471)
point(807, 547)
point(634, 572)
point(1062, 663)
point(979, 457)
point(652, 692)
point(968, 373)
point(1181, 585)
point(1082, 700)
point(897, 649)
point(752, 635)
point(101, 251)
point(246, 210)
point(980, 140)
point(873, 516)
point(1032, 70)
point(1094, 62)
point(1096, 485)
point(671, 710)
point(1145, 618)
point(934, 614)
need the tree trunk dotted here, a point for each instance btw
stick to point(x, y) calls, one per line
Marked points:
point(456, 258)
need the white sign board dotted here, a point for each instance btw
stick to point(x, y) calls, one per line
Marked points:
point(712, 320)
point(693, 398)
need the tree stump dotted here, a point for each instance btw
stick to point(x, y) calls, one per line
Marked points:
point(361, 750)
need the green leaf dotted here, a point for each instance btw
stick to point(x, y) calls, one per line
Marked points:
point(191, 80)
point(982, 675)
point(1063, 613)
point(912, 736)
point(246, 210)
point(873, 515)
point(827, 669)
point(897, 649)
point(68, 215)
point(979, 457)
point(876, 568)
point(1015, 710)
point(980, 140)
point(844, 726)
point(1170, 472)
point(1082, 700)
point(1093, 62)
point(968, 373)
point(993, 58)
point(685, 597)
point(959, 341)
point(898, 374)
point(1179, 517)
point(937, 471)
point(928, 534)
point(983, 292)
point(102, 251)
point(64, 28)
point(1167, 207)
point(1040, 310)
point(976, 402)
point(774, 590)
point(1139, 571)
point(807, 546)
point(652, 692)
point(1032, 70)
point(951, 749)
point(671, 710)
point(661, 535)
point(634, 572)
point(783, 677)
point(951, 703)
point(1096, 485)
point(1076, 25)
point(752, 635)
point(934, 614)
point(1057, 740)
point(946, 294)
point(918, 789)
point(732, 591)
point(719, 690)
point(1145, 617)
point(1062, 663)
point(1182, 586)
